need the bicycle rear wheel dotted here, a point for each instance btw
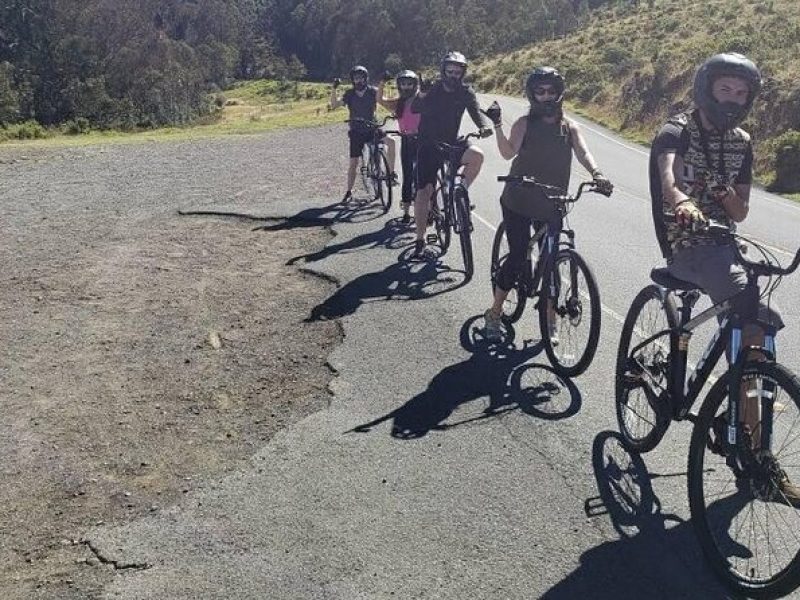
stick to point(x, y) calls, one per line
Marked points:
point(380, 180)
point(569, 314)
point(643, 372)
point(517, 297)
point(463, 226)
point(747, 526)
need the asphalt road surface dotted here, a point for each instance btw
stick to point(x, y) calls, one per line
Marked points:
point(444, 468)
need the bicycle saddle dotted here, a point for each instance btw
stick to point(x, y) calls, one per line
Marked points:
point(664, 278)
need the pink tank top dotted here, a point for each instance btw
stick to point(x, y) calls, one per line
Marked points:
point(409, 121)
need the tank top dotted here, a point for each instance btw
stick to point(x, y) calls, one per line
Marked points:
point(546, 154)
point(408, 122)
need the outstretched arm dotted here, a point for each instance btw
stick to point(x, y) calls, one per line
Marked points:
point(509, 146)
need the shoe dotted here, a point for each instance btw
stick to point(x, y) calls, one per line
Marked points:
point(405, 207)
point(419, 249)
point(347, 196)
point(393, 181)
point(405, 219)
point(789, 492)
point(493, 326)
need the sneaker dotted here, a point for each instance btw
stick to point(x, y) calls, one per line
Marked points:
point(405, 219)
point(493, 326)
point(405, 207)
point(347, 196)
point(789, 492)
point(422, 251)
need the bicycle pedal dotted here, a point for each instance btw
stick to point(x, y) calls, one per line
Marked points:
point(431, 238)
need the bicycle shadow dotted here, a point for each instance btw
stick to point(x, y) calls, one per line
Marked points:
point(352, 211)
point(402, 281)
point(497, 372)
point(394, 235)
point(657, 554)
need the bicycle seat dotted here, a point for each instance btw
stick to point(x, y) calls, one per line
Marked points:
point(664, 278)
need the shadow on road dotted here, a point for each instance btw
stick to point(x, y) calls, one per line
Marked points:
point(400, 281)
point(498, 372)
point(657, 555)
point(353, 211)
point(393, 235)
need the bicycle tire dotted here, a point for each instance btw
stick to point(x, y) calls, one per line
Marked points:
point(382, 182)
point(570, 356)
point(365, 168)
point(715, 539)
point(517, 297)
point(657, 315)
point(437, 216)
point(463, 220)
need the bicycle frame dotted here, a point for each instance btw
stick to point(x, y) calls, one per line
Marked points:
point(683, 392)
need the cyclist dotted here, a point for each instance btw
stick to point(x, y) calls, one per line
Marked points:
point(541, 144)
point(408, 123)
point(441, 107)
point(700, 169)
point(361, 100)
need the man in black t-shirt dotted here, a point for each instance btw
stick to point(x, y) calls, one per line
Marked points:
point(701, 169)
point(361, 101)
point(442, 107)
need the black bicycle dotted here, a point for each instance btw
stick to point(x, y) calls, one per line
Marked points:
point(451, 209)
point(742, 453)
point(375, 171)
point(568, 298)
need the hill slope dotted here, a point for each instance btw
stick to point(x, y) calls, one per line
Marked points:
point(630, 66)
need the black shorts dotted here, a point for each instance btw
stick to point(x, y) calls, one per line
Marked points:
point(430, 160)
point(357, 140)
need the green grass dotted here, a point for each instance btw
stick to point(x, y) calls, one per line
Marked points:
point(250, 107)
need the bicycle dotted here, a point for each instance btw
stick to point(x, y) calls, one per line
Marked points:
point(374, 164)
point(559, 277)
point(726, 453)
point(450, 207)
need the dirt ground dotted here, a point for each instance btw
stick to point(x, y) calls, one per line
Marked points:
point(144, 353)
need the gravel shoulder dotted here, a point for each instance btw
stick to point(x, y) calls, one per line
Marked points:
point(147, 353)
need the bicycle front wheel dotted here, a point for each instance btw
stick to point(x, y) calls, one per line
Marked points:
point(463, 220)
point(746, 519)
point(643, 369)
point(365, 169)
point(437, 216)
point(569, 314)
point(514, 305)
point(380, 180)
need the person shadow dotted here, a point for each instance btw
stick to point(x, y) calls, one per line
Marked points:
point(400, 281)
point(394, 235)
point(497, 372)
point(657, 555)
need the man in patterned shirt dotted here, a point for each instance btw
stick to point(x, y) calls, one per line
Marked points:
point(701, 166)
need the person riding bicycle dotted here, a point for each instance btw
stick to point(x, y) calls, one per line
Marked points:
point(441, 108)
point(408, 123)
point(701, 169)
point(541, 143)
point(361, 101)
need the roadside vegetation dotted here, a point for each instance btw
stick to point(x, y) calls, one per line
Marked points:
point(632, 64)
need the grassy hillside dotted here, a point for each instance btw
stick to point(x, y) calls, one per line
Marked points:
point(631, 66)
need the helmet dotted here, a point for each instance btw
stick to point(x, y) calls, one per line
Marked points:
point(545, 75)
point(407, 77)
point(359, 70)
point(725, 115)
point(453, 58)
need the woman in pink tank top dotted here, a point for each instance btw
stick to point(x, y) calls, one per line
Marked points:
point(408, 124)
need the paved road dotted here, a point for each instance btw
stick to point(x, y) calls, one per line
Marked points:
point(443, 470)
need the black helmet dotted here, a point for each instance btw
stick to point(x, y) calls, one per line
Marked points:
point(453, 58)
point(545, 75)
point(359, 69)
point(407, 76)
point(725, 115)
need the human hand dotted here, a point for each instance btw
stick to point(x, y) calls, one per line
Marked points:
point(494, 113)
point(336, 82)
point(425, 87)
point(486, 132)
point(386, 76)
point(601, 183)
point(689, 216)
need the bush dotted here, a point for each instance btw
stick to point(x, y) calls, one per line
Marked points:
point(29, 130)
point(77, 126)
point(787, 162)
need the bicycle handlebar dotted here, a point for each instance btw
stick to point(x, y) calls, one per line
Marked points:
point(370, 124)
point(527, 181)
point(723, 232)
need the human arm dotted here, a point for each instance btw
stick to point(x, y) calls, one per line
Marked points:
point(735, 198)
point(586, 158)
point(509, 146)
point(335, 101)
point(389, 104)
point(475, 114)
point(670, 169)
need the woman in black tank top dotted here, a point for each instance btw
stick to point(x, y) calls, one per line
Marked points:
point(541, 145)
